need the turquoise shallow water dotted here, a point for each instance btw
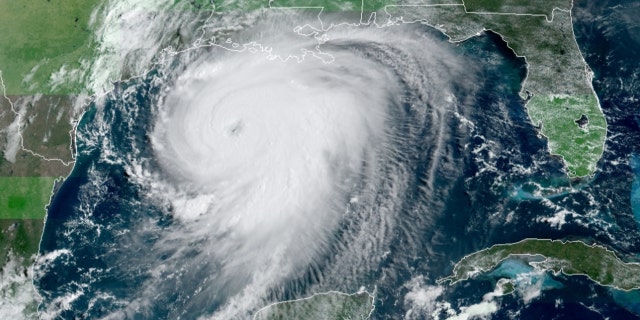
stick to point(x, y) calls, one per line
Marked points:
point(629, 299)
point(512, 268)
point(635, 189)
point(107, 246)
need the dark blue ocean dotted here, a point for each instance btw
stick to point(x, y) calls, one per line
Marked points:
point(508, 189)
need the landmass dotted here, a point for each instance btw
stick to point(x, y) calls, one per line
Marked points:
point(45, 45)
point(53, 57)
point(329, 305)
point(43, 42)
point(558, 92)
point(56, 55)
point(568, 257)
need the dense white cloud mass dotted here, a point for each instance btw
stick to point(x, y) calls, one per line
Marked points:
point(280, 154)
point(266, 149)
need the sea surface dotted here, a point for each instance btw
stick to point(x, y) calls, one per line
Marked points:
point(495, 183)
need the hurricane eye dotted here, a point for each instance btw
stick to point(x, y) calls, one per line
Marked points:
point(235, 129)
point(265, 168)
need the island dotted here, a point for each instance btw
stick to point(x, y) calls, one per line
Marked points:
point(567, 257)
point(56, 55)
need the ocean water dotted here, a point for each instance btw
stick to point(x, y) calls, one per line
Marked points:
point(105, 242)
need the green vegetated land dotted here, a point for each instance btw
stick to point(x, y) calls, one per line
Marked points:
point(45, 44)
point(194, 4)
point(580, 145)
point(569, 257)
point(326, 5)
point(19, 238)
point(26, 181)
point(329, 306)
point(517, 6)
point(24, 197)
point(41, 37)
point(332, 6)
point(558, 86)
point(46, 52)
point(22, 209)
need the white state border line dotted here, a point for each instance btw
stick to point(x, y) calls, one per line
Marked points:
point(198, 43)
point(588, 73)
point(20, 124)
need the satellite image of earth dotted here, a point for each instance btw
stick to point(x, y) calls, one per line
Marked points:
point(320, 159)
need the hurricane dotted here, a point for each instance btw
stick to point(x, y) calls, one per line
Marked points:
point(257, 170)
point(357, 160)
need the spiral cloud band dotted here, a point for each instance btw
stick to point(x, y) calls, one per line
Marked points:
point(287, 157)
point(271, 148)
